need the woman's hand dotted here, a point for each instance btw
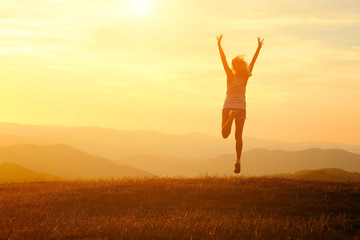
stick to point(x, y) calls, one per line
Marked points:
point(260, 42)
point(219, 39)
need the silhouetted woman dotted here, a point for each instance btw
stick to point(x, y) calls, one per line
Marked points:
point(235, 104)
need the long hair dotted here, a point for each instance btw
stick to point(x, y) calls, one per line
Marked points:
point(240, 67)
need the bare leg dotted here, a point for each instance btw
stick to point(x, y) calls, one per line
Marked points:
point(239, 124)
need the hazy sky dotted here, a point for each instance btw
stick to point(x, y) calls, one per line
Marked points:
point(154, 64)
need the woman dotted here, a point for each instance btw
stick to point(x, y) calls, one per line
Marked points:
point(235, 104)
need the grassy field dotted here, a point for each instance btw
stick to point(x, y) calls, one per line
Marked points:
point(170, 208)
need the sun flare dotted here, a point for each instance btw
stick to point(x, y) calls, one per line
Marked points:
point(139, 7)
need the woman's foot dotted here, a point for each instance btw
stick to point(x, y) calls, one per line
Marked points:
point(237, 168)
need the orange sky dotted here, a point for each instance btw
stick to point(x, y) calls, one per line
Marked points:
point(154, 64)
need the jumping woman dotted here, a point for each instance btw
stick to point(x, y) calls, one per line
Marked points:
point(235, 104)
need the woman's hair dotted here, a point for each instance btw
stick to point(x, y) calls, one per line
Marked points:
point(240, 67)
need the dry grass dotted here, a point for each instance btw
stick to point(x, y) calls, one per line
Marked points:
point(170, 208)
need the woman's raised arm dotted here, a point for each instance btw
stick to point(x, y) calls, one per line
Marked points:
point(222, 55)
point(260, 43)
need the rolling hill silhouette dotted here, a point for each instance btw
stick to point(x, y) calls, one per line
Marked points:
point(10, 172)
point(112, 143)
point(65, 161)
point(159, 153)
point(328, 174)
point(254, 162)
point(260, 161)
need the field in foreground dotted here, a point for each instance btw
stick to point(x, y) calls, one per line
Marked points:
point(168, 208)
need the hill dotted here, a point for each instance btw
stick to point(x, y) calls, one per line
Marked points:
point(255, 143)
point(113, 144)
point(254, 162)
point(175, 208)
point(65, 161)
point(261, 161)
point(10, 172)
point(328, 174)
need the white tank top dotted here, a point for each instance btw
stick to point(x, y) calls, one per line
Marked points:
point(235, 94)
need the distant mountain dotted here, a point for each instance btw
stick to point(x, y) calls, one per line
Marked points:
point(10, 172)
point(6, 139)
point(261, 161)
point(253, 143)
point(114, 144)
point(65, 161)
point(254, 162)
point(326, 174)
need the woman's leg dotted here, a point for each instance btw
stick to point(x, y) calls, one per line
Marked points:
point(239, 126)
point(226, 122)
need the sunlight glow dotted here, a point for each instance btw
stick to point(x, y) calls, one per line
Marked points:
point(155, 65)
point(139, 7)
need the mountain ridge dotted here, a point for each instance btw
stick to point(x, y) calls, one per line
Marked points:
point(10, 172)
point(114, 143)
point(254, 162)
point(65, 161)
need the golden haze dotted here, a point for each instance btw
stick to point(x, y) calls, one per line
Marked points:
point(153, 64)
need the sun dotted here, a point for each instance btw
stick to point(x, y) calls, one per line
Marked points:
point(140, 7)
